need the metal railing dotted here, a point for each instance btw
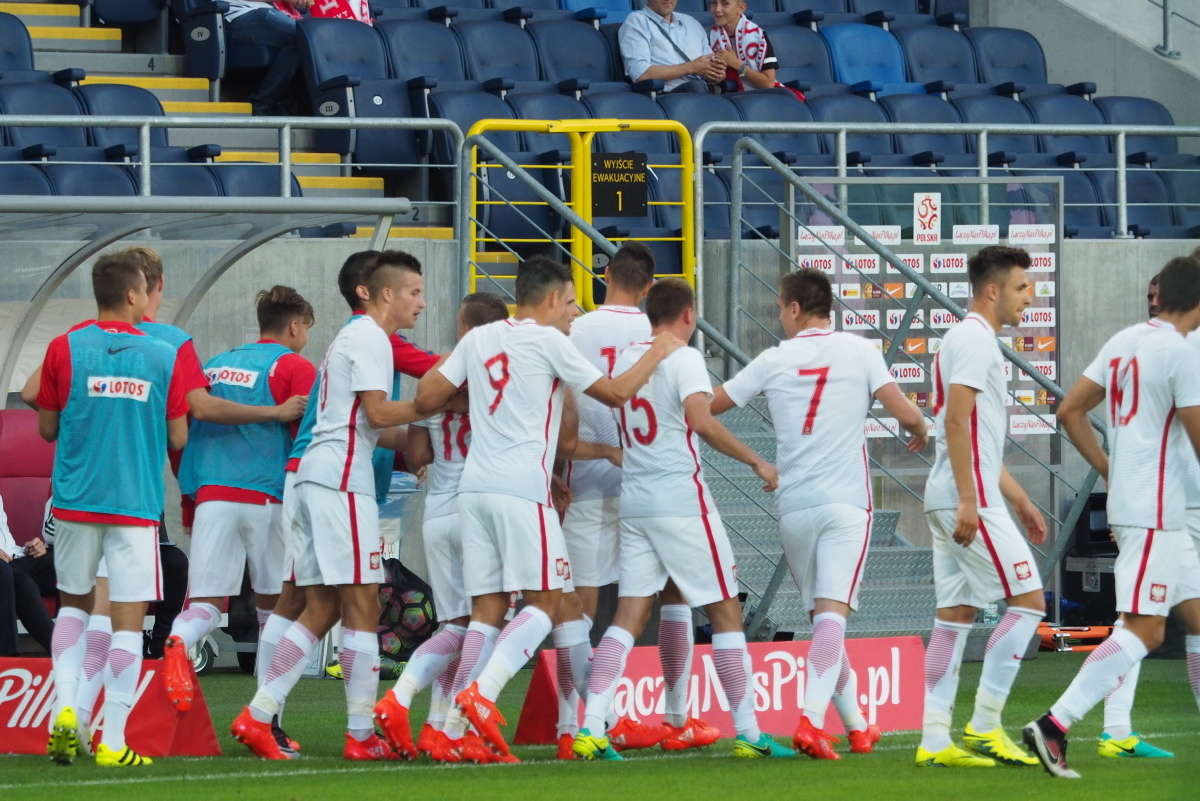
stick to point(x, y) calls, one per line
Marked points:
point(1165, 50)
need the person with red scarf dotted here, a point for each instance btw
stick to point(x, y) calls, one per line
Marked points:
point(742, 46)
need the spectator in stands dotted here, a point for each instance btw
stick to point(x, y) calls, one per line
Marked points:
point(658, 43)
point(270, 24)
point(742, 47)
point(19, 595)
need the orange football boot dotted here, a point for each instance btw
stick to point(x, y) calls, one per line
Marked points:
point(813, 741)
point(484, 716)
point(392, 719)
point(178, 669)
point(257, 736)
point(694, 733)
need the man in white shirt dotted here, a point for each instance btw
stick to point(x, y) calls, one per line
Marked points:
point(20, 598)
point(516, 370)
point(657, 43)
point(336, 542)
point(978, 554)
point(1150, 377)
point(820, 385)
point(258, 23)
point(670, 528)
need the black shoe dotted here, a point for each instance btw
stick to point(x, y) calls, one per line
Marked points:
point(1049, 742)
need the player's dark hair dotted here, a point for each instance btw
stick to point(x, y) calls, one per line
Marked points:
point(668, 299)
point(386, 266)
point(113, 275)
point(278, 306)
point(481, 308)
point(351, 275)
point(151, 264)
point(398, 258)
point(811, 289)
point(993, 263)
point(1179, 285)
point(537, 277)
point(631, 267)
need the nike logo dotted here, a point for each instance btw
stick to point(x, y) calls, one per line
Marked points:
point(115, 351)
point(758, 749)
point(1126, 750)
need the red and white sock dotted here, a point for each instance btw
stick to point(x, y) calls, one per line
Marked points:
point(1097, 676)
point(1192, 644)
point(608, 666)
point(439, 695)
point(195, 623)
point(428, 662)
point(516, 645)
point(824, 665)
point(68, 647)
point(358, 654)
point(291, 655)
point(121, 674)
point(845, 696)
point(572, 659)
point(477, 648)
point(1001, 662)
point(97, 641)
point(732, 662)
point(1118, 705)
point(943, 657)
point(675, 641)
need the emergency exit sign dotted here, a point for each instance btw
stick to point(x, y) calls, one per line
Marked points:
point(618, 185)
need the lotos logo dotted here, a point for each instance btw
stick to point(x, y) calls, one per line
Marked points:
point(104, 386)
point(1023, 571)
point(1038, 318)
point(1158, 593)
point(232, 376)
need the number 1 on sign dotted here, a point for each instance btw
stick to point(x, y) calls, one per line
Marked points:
point(620, 200)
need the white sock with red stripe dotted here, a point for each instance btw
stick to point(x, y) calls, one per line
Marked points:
point(1098, 676)
point(608, 666)
point(573, 659)
point(732, 661)
point(675, 640)
point(194, 623)
point(1118, 705)
point(439, 695)
point(68, 646)
point(121, 674)
point(943, 657)
point(824, 665)
point(1001, 662)
point(515, 646)
point(269, 635)
point(97, 641)
point(291, 655)
point(476, 651)
point(1192, 646)
point(845, 696)
point(358, 654)
point(428, 662)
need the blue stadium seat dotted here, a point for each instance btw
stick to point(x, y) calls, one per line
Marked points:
point(45, 98)
point(868, 58)
point(22, 179)
point(183, 180)
point(615, 11)
point(206, 52)
point(250, 180)
point(128, 12)
point(394, 10)
point(111, 99)
point(105, 180)
point(934, 53)
point(1148, 210)
point(998, 110)
point(820, 12)
point(570, 49)
point(1014, 62)
point(498, 50)
point(657, 145)
point(1139, 111)
point(693, 110)
point(896, 13)
point(550, 147)
point(772, 105)
point(804, 61)
point(920, 109)
point(851, 108)
point(716, 203)
point(427, 57)
point(542, 9)
point(1067, 110)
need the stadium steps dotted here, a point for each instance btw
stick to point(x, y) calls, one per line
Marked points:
point(337, 186)
point(64, 15)
point(133, 64)
point(62, 38)
point(303, 164)
point(406, 232)
point(168, 89)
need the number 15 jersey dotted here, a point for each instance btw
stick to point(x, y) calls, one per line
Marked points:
point(515, 370)
point(661, 475)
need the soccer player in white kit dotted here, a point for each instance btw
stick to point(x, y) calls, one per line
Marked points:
point(670, 528)
point(516, 370)
point(336, 542)
point(978, 554)
point(590, 528)
point(441, 442)
point(820, 384)
point(1150, 377)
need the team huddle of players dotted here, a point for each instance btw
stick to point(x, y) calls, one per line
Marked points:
point(562, 456)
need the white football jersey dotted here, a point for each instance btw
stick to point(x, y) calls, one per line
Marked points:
point(516, 370)
point(970, 356)
point(358, 360)
point(661, 474)
point(819, 386)
point(450, 437)
point(1148, 371)
point(1188, 457)
point(601, 335)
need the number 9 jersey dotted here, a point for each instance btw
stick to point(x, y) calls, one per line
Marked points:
point(661, 475)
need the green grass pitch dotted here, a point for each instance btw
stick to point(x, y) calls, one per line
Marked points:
point(1165, 712)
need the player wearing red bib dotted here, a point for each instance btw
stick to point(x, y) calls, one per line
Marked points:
point(1150, 377)
point(978, 554)
point(824, 382)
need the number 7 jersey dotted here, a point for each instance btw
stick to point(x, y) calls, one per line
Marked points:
point(661, 474)
point(1148, 371)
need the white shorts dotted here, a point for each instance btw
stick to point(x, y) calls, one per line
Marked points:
point(336, 538)
point(287, 525)
point(997, 564)
point(1189, 564)
point(511, 543)
point(694, 552)
point(227, 536)
point(444, 564)
point(592, 532)
point(826, 550)
point(1147, 571)
point(131, 553)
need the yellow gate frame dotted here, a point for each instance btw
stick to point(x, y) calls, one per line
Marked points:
point(581, 133)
